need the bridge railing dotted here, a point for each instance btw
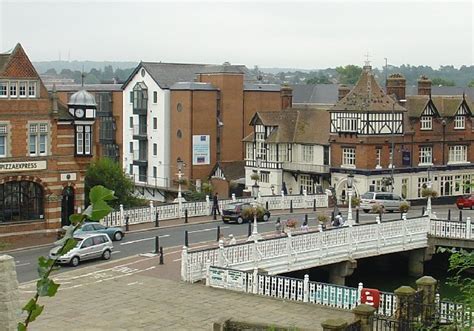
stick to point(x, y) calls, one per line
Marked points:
point(452, 229)
point(148, 214)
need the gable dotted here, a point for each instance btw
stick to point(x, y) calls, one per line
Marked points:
point(429, 110)
point(19, 65)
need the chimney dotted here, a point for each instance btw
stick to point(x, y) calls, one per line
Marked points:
point(342, 91)
point(286, 94)
point(54, 97)
point(424, 86)
point(396, 84)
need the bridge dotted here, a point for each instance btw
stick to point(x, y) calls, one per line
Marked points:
point(340, 247)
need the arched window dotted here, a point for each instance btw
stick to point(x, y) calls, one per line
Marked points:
point(21, 201)
point(140, 96)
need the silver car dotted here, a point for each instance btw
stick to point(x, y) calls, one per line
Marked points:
point(89, 246)
point(390, 201)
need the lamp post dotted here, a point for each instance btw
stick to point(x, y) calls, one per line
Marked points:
point(255, 186)
point(180, 175)
point(350, 183)
point(255, 236)
point(429, 185)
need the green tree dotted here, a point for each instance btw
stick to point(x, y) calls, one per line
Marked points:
point(471, 83)
point(437, 81)
point(349, 74)
point(318, 79)
point(91, 79)
point(108, 173)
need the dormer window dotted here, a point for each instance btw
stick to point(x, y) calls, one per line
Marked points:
point(3, 89)
point(426, 123)
point(459, 122)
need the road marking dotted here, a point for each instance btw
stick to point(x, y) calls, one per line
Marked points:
point(204, 230)
point(23, 264)
point(177, 260)
point(144, 239)
point(115, 252)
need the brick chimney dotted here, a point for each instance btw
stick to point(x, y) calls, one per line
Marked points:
point(396, 84)
point(342, 91)
point(424, 85)
point(286, 94)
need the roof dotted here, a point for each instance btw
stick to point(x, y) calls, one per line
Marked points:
point(193, 86)
point(315, 94)
point(262, 87)
point(445, 105)
point(367, 95)
point(302, 126)
point(232, 170)
point(88, 87)
point(82, 98)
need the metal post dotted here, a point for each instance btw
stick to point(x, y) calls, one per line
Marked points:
point(380, 216)
point(157, 220)
point(423, 211)
point(306, 218)
point(314, 204)
point(291, 206)
point(332, 217)
point(357, 216)
point(460, 215)
point(186, 240)
point(249, 229)
point(126, 223)
point(449, 214)
point(157, 244)
point(218, 232)
point(266, 205)
point(161, 255)
point(186, 215)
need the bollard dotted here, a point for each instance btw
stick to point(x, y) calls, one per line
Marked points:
point(306, 218)
point(332, 217)
point(291, 206)
point(218, 232)
point(126, 223)
point(423, 211)
point(161, 255)
point(214, 213)
point(401, 215)
point(186, 240)
point(186, 215)
point(357, 216)
point(460, 215)
point(449, 214)
point(157, 220)
point(314, 204)
point(250, 228)
point(266, 205)
point(157, 244)
point(380, 217)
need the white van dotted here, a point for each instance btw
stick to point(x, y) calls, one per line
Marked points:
point(390, 201)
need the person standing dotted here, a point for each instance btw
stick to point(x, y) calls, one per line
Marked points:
point(278, 227)
point(215, 205)
point(304, 226)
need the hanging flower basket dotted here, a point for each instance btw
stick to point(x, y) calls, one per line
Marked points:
point(378, 208)
point(254, 177)
point(404, 206)
point(323, 218)
point(429, 192)
point(291, 224)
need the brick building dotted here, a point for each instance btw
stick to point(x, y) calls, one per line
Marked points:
point(45, 147)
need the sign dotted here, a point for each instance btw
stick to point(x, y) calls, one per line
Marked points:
point(406, 159)
point(235, 280)
point(370, 297)
point(201, 149)
point(217, 277)
point(22, 166)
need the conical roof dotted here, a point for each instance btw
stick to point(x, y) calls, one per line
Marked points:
point(82, 98)
point(367, 95)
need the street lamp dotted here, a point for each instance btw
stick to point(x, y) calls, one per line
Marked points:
point(429, 185)
point(350, 183)
point(255, 236)
point(255, 186)
point(180, 175)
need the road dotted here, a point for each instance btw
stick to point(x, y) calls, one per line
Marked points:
point(200, 235)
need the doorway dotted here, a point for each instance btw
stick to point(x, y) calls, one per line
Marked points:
point(67, 205)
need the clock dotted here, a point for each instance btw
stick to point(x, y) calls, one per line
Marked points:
point(79, 112)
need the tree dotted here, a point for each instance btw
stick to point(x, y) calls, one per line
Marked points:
point(437, 81)
point(91, 79)
point(51, 72)
point(108, 173)
point(349, 74)
point(318, 79)
point(471, 83)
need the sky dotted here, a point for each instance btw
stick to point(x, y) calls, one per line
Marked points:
point(308, 34)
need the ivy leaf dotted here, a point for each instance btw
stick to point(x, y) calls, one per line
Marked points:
point(100, 193)
point(70, 244)
point(46, 287)
point(36, 312)
point(21, 327)
point(100, 209)
point(29, 305)
point(76, 218)
point(43, 265)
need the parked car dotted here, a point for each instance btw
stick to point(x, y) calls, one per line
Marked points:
point(390, 201)
point(240, 213)
point(89, 246)
point(466, 201)
point(115, 233)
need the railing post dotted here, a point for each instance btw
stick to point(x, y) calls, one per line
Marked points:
point(306, 288)
point(184, 264)
point(157, 244)
point(157, 219)
point(357, 216)
point(404, 306)
point(255, 281)
point(364, 313)
point(332, 217)
point(380, 216)
point(186, 239)
point(291, 206)
point(377, 219)
point(208, 273)
point(449, 214)
point(427, 285)
point(161, 255)
point(306, 218)
point(337, 324)
point(288, 247)
point(151, 211)
point(314, 204)
point(186, 215)
point(359, 292)
point(218, 233)
point(220, 254)
point(122, 218)
point(249, 230)
point(460, 215)
point(266, 205)
point(126, 223)
point(468, 228)
point(208, 205)
point(233, 197)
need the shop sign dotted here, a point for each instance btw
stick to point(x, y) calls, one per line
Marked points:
point(22, 166)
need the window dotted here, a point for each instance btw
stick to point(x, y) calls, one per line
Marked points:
point(155, 171)
point(131, 96)
point(249, 151)
point(3, 89)
point(131, 147)
point(306, 183)
point(458, 153)
point(131, 122)
point(83, 140)
point(349, 124)
point(283, 152)
point(3, 140)
point(426, 122)
point(446, 185)
point(422, 183)
point(130, 170)
point(404, 188)
point(348, 157)
point(155, 123)
point(13, 91)
point(272, 149)
point(459, 122)
point(155, 97)
point(378, 157)
point(260, 149)
point(155, 149)
point(21, 201)
point(22, 89)
point(308, 152)
point(326, 155)
point(426, 155)
point(140, 96)
point(38, 139)
point(264, 177)
point(32, 89)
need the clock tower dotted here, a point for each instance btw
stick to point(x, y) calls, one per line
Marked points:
point(82, 107)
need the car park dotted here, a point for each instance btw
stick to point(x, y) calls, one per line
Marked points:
point(465, 201)
point(241, 212)
point(389, 201)
point(89, 246)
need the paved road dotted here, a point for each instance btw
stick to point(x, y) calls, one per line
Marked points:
point(200, 235)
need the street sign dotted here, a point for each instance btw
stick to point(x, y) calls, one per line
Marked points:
point(370, 297)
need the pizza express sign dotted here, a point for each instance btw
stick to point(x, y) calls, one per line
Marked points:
point(22, 166)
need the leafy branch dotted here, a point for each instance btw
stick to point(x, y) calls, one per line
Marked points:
point(45, 286)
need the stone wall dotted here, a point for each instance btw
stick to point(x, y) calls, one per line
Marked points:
point(9, 294)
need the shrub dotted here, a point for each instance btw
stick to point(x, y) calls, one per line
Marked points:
point(429, 192)
point(247, 213)
point(323, 218)
point(404, 206)
point(378, 208)
point(355, 201)
point(255, 177)
point(207, 188)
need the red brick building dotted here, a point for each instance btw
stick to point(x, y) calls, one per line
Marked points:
point(45, 147)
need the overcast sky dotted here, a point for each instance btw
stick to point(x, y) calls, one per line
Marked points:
point(312, 34)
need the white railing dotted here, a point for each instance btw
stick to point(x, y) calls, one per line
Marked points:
point(204, 208)
point(452, 229)
point(306, 250)
point(306, 167)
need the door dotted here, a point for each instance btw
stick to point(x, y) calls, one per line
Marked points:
point(87, 249)
point(67, 205)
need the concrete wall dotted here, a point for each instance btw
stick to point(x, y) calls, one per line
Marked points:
point(9, 294)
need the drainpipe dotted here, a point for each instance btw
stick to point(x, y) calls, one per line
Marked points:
point(444, 136)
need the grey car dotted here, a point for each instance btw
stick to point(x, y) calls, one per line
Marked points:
point(89, 246)
point(390, 201)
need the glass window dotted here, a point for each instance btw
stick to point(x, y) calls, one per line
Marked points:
point(459, 122)
point(21, 200)
point(249, 151)
point(348, 156)
point(272, 148)
point(131, 147)
point(349, 124)
point(155, 97)
point(131, 122)
point(3, 140)
point(22, 89)
point(155, 149)
point(32, 89)
point(264, 177)
point(326, 155)
point(155, 123)
point(458, 153)
point(260, 148)
point(3, 89)
point(38, 139)
point(426, 123)
point(283, 152)
point(422, 183)
point(155, 172)
point(131, 96)
point(79, 140)
point(130, 170)
point(307, 154)
point(426, 155)
point(13, 89)
point(306, 183)
point(87, 140)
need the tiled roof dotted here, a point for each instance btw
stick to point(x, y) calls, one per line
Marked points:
point(88, 87)
point(262, 87)
point(315, 94)
point(232, 170)
point(446, 105)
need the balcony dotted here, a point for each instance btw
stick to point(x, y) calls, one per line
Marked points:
point(263, 164)
point(306, 168)
point(140, 132)
point(140, 157)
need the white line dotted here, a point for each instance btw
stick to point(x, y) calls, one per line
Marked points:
point(204, 230)
point(115, 252)
point(144, 239)
point(176, 260)
point(23, 264)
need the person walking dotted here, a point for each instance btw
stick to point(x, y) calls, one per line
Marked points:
point(215, 206)
point(278, 227)
point(304, 226)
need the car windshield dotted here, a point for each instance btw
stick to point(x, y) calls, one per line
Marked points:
point(367, 195)
point(231, 206)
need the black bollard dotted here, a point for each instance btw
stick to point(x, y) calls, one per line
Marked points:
point(460, 215)
point(357, 216)
point(250, 229)
point(186, 216)
point(332, 217)
point(214, 213)
point(157, 220)
point(380, 217)
point(314, 204)
point(423, 211)
point(449, 214)
point(306, 218)
point(218, 232)
point(291, 206)
point(266, 205)
point(186, 241)
point(157, 244)
point(126, 223)
point(161, 255)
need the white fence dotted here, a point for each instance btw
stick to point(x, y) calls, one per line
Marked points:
point(452, 229)
point(307, 250)
point(204, 208)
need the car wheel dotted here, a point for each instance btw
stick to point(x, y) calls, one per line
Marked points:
point(106, 254)
point(390, 210)
point(118, 236)
point(366, 211)
point(460, 207)
point(266, 217)
point(75, 261)
point(240, 220)
point(225, 221)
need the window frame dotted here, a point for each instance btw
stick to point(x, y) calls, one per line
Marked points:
point(7, 89)
point(426, 122)
point(4, 135)
point(37, 134)
point(348, 154)
point(32, 86)
point(83, 134)
point(425, 155)
point(459, 122)
point(13, 84)
point(457, 154)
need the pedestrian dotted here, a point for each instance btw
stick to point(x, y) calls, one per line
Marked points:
point(278, 227)
point(304, 226)
point(215, 205)
point(338, 220)
point(232, 240)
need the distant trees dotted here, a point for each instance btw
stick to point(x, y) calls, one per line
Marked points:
point(437, 81)
point(318, 79)
point(349, 74)
point(94, 76)
point(471, 83)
